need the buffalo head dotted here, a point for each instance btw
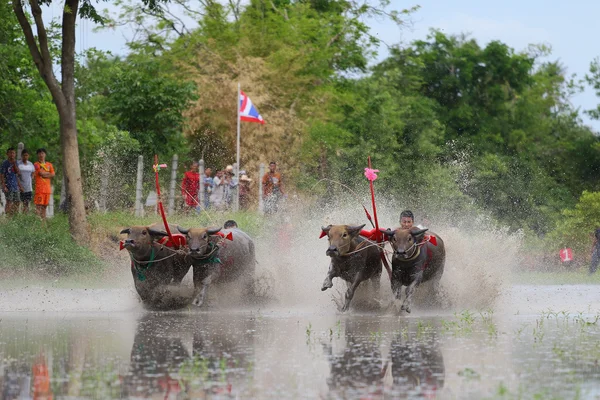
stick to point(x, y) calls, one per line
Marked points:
point(139, 238)
point(197, 240)
point(404, 241)
point(340, 238)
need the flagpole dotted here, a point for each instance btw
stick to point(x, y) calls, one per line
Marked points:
point(237, 168)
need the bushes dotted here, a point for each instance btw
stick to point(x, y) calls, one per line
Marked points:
point(28, 246)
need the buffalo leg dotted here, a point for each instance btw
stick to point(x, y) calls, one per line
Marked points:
point(328, 282)
point(350, 292)
point(410, 290)
point(199, 300)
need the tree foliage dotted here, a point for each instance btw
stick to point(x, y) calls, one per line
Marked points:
point(452, 124)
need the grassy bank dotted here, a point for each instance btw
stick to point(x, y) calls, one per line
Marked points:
point(576, 277)
point(28, 246)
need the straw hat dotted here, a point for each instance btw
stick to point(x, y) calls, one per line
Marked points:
point(229, 168)
point(245, 178)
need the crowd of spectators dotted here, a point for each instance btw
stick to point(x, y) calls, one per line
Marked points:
point(23, 181)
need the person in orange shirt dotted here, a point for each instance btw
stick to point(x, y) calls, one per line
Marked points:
point(44, 172)
point(42, 389)
point(272, 188)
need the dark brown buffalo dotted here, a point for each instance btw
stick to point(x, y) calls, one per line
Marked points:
point(415, 260)
point(154, 265)
point(218, 260)
point(353, 258)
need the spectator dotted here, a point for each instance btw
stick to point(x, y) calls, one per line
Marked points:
point(216, 198)
point(44, 172)
point(407, 219)
point(208, 182)
point(245, 192)
point(272, 188)
point(230, 224)
point(190, 187)
point(26, 171)
point(229, 186)
point(9, 181)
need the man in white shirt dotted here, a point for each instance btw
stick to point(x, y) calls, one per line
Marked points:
point(25, 176)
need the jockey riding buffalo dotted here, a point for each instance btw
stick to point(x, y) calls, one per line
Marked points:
point(154, 265)
point(353, 258)
point(216, 259)
point(416, 259)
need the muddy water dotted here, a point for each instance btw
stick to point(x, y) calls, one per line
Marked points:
point(538, 342)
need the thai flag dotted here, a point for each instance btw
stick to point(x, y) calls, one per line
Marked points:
point(248, 112)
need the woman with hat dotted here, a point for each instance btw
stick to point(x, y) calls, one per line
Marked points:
point(245, 192)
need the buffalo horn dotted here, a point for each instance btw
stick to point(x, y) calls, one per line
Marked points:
point(213, 231)
point(126, 230)
point(182, 230)
point(388, 232)
point(154, 232)
point(326, 229)
point(419, 232)
point(355, 229)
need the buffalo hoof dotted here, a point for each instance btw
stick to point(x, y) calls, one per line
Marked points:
point(405, 308)
point(198, 302)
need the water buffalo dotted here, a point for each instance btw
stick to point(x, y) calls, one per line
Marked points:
point(217, 260)
point(353, 258)
point(153, 265)
point(415, 260)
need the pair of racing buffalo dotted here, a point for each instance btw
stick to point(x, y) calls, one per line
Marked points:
point(416, 258)
point(216, 256)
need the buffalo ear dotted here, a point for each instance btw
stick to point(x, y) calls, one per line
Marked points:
point(126, 230)
point(154, 232)
point(326, 229)
point(355, 230)
point(182, 230)
point(213, 231)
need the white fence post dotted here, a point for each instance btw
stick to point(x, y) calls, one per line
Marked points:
point(20, 148)
point(261, 173)
point(50, 211)
point(201, 193)
point(235, 191)
point(139, 208)
point(171, 208)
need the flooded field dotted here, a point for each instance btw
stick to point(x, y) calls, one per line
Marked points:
point(539, 342)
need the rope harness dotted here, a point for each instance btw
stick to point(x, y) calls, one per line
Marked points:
point(209, 258)
point(139, 269)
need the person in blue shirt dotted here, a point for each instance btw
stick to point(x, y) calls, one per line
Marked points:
point(9, 182)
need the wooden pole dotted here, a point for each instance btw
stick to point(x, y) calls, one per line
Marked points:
point(171, 208)
point(201, 193)
point(261, 173)
point(139, 208)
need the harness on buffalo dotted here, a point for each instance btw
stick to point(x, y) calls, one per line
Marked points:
point(211, 257)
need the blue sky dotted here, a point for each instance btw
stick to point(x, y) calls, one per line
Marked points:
point(570, 28)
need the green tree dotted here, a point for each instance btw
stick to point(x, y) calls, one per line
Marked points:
point(63, 91)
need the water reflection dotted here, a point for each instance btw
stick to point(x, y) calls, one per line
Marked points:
point(417, 365)
point(377, 364)
point(281, 355)
point(199, 356)
point(358, 368)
